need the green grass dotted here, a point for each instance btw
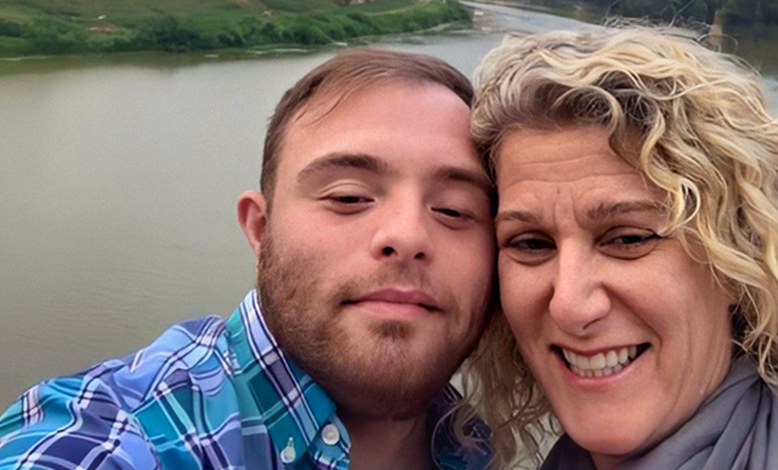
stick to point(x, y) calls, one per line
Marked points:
point(83, 26)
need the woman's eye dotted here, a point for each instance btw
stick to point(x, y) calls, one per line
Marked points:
point(631, 244)
point(531, 244)
point(530, 249)
point(633, 239)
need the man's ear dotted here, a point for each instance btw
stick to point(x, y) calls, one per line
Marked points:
point(252, 216)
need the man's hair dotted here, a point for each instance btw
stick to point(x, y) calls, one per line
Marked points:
point(693, 122)
point(343, 75)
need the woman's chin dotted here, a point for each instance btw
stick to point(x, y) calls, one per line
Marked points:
point(609, 448)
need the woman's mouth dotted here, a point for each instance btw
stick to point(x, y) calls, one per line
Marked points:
point(601, 364)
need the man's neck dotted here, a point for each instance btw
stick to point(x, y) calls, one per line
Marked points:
point(388, 444)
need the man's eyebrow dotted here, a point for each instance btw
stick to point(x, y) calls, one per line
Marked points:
point(464, 175)
point(357, 161)
point(519, 216)
point(605, 209)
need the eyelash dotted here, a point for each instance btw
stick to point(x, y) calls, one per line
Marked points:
point(348, 199)
point(539, 246)
point(641, 238)
point(452, 213)
point(348, 203)
point(517, 244)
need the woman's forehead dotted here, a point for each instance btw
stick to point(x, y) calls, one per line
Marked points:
point(558, 155)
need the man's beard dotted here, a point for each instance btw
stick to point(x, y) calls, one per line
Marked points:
point(380, 379)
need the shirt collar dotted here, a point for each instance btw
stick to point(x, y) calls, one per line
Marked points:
point(294, 408)
point(291, 405)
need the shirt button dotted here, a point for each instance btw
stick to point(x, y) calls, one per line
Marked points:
point(288, 454)
point(330, 435)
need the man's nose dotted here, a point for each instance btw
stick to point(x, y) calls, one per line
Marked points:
point(402, 233)
point(579, 298)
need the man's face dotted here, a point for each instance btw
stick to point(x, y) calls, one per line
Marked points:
point(376, 263)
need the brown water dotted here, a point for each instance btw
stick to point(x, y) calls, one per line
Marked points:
point(118, 179)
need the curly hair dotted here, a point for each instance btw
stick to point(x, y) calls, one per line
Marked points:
point(693, 122)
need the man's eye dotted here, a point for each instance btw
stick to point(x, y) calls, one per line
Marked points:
point(456, 219)
point(349, 199)
point(347, 203)
point(453, 213)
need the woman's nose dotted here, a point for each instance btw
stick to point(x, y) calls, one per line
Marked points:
point(579, 298)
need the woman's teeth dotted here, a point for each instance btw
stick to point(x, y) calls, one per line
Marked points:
point(601, 364)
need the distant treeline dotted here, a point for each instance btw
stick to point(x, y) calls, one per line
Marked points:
point(734, 13)
point(218, 25)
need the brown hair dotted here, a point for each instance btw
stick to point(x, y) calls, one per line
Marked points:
point(343, 75)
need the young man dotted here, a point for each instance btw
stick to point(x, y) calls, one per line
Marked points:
point(375, 256)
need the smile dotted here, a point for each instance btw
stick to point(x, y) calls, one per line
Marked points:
point(604, 363)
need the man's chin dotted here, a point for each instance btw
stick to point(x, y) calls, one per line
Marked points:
point(385, 391)
point(391, 331)
point(389, 376)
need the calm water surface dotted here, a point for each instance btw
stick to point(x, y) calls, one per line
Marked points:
point(118, 181)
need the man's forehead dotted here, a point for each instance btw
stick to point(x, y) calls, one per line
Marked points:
point(338, 162)
point(327, 100)
point(372, 121)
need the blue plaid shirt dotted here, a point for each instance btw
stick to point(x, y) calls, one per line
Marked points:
point(207, 394)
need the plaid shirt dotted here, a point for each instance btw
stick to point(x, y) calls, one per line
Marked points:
point(207, 394)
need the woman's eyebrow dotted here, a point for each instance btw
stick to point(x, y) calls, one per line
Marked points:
point(358, 161)
point(612, 209)
point(601, 211)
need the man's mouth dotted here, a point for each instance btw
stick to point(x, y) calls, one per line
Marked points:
point(601, 364)
point(400, 297)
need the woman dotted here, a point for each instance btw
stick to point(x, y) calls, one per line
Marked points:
point(638, 232)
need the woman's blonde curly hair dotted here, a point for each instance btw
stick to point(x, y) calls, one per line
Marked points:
point(693, 121)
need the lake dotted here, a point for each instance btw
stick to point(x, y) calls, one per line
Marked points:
point(118, 181)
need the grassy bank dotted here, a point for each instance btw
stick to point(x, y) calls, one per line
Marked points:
point(83, 26)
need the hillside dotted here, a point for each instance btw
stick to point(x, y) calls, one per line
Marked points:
point(83, 26)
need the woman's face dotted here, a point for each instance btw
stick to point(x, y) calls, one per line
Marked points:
point(625, 332)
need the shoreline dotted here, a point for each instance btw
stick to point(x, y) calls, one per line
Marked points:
point(224, 27)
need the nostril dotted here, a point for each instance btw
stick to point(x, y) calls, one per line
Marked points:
point(387, 251)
